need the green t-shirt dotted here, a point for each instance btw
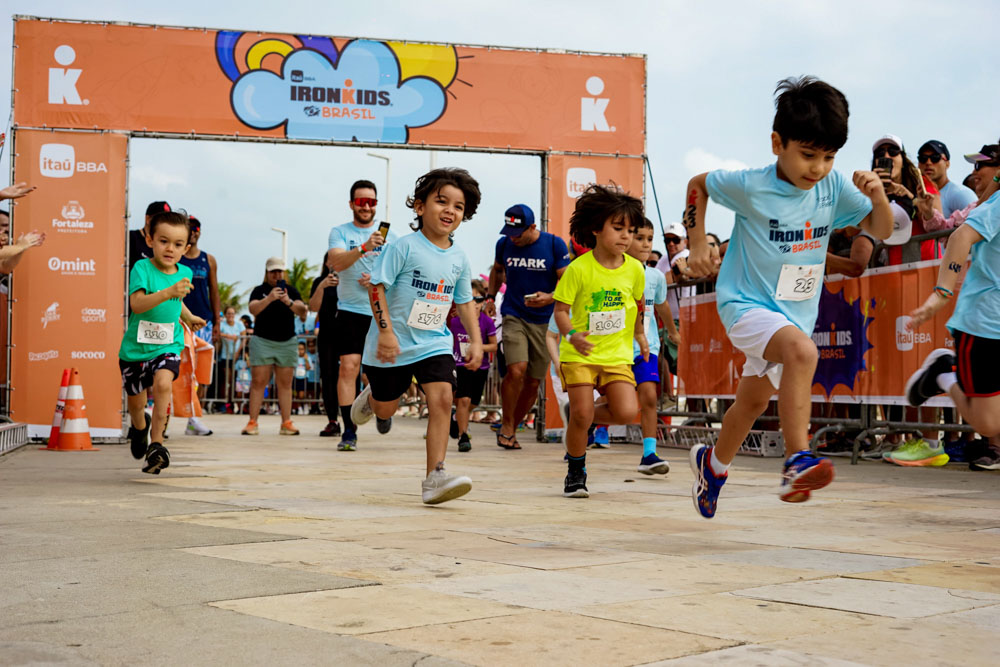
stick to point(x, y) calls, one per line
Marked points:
point(159, 328)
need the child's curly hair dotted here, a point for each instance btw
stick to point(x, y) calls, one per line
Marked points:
point(434, 180)
point(597, 205)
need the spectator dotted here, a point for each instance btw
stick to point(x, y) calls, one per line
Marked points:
point(903, 182)
point(230, 330)
point(672, 266)
point(11, 253)
point(986, 164)
point(137, 246)
point(850, 251)
point(16, 191)
point(273, 348)
point(530, 262)
point(202, 301)
point(654, 258)
point(934, 160)
point(323, 302)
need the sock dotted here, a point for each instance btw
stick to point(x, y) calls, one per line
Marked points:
point(345, 414)
point(648, 446)
point(718, 467)
point(945, 380)
point(578, 463)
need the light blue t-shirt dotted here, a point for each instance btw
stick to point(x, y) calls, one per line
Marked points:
point(977, 310)
point(351, 296)
point(655, 293)
point(778, 224)
point(955, 197)
point(421, 281)
point(228, 349)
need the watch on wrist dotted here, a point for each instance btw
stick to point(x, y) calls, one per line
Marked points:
point(491, 297)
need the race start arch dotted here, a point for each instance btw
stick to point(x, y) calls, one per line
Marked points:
point(82, 89)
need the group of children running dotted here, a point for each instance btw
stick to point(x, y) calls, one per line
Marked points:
point(767, 294)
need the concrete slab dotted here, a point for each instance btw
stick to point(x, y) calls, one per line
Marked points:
point(549, 638)
point(754, 655)
point(832, 562)
point(873, 597)
point(960, 575)
point(366, 610)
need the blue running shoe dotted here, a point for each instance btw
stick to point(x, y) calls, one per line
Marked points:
point(653, 465)
point(601, 438)
point(804, 472)
point(705, 490)
point(348, 442)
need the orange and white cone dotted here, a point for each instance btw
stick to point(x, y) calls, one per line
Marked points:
point(74, 433)
point(58, 416)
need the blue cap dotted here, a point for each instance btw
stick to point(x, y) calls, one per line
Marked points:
point(516, 219)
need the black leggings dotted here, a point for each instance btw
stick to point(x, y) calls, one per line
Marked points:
point(329, 373)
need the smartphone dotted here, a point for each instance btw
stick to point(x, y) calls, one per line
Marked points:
point(283, 285)
point(531, 297)
point(383, 229)
point(884, 163)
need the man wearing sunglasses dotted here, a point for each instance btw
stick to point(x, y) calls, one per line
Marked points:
point(354, 247)
point(934, 160)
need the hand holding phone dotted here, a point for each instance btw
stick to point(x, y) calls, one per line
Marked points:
point(383, 229)
point(531, 297)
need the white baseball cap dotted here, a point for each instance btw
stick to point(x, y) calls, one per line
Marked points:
point(902, 226)
point(676, 229)
point(888, 139)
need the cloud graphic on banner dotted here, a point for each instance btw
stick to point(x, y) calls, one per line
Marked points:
point(841, 334)
point(360, 98)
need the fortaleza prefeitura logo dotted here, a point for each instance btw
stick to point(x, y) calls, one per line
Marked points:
point(841, 334)
point(365, 91)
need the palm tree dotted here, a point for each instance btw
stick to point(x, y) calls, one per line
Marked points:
point(228, 296)
point(299, 277)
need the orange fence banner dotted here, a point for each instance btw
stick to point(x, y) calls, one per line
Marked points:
point(68, 295)
point(220, 82)
point(866, 353)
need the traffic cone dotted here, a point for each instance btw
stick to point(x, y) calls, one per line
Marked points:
point(74, 433)
point(58, 416)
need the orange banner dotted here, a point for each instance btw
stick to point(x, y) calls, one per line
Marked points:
point(68, 294)
point(219, 82)
point(866, 353)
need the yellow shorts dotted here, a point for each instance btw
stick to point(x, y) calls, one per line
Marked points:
point(575, 374)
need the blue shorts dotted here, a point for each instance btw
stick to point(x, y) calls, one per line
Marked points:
point(646, 371)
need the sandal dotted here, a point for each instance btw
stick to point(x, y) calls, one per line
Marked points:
point(512, 442)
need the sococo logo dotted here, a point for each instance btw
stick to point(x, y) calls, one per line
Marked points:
point(93, 315)
point(71, 220)
point(73, 267)
point(367, 91)
point(87, 354)
point(62, 80)
point(59, 161)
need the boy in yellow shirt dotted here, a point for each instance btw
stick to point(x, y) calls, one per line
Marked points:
point(603, 289)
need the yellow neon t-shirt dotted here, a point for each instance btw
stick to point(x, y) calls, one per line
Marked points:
point(602, 302)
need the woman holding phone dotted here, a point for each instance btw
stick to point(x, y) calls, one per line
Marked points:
point(273, 346)
point(904, 185)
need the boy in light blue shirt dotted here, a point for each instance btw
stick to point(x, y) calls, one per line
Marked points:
point(413, 285)
point(769, 285)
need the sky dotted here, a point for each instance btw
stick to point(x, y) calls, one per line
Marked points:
point(913, 68)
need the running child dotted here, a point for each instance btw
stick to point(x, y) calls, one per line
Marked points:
point(647, 372)
point(149, 356)
point(769, 285)
point(300, 383)
point(598, 312)
point(413, 285)
point(471, 381)
point(969, 374)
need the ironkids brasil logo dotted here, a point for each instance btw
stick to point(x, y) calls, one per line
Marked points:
point(365, 91)
point(841, 334)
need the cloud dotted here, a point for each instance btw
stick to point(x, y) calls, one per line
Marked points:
point(698, 160)
point(359, 99)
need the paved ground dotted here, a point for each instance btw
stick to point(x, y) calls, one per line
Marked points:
point(276, 550)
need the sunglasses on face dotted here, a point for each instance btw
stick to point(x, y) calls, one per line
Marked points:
point(361, 202)
point(651, 262)
point(891, 151)
point(933, 158)
point(479, 299)
point(671, 239)
point(980, 165)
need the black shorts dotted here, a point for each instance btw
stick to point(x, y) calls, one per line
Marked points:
point(978, 364)
point(388, 384)
point(350, 332)
point(471, 383)
point(300, 384)
point(137, 376)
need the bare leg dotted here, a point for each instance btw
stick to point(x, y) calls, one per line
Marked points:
point(137, 410)
point(797, 352)
point(752, 396)
point(619, 405)
point(981, 412)
point(463, 406)
point(525, 401)
point(647, 408)
point(510, 394)
point(347, 381)
point(162, 387)
point(283, 385)
point(581, 416)
point(439, 414)
point(259, 377)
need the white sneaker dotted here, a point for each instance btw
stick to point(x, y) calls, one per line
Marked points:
point(440, 486)
point(361, 409)
point(195, 427)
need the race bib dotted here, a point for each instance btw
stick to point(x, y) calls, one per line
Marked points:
point(155, 333)
point(799, 283)
point(427, 316)
point(463, 349)
point(300, 372)
point(607, 322)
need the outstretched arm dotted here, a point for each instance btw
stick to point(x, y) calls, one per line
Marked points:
point(701, 261)
point(959, 245)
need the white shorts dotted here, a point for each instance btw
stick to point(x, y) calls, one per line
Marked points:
point(751, 334)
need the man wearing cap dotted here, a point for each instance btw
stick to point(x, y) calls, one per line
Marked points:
point(203, 301)
point(137, 248)
point(273, 346)
point(934, 160)
point(531, 262)
point(353, 249)
point(672, 265)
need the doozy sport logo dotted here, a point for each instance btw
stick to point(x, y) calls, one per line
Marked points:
point(366, 91)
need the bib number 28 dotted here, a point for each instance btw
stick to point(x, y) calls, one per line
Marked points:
point(799, 282)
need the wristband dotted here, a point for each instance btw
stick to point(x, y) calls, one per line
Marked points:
point(570, 334)
point(944, 291)
point(362, 248)
point(996, 178)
